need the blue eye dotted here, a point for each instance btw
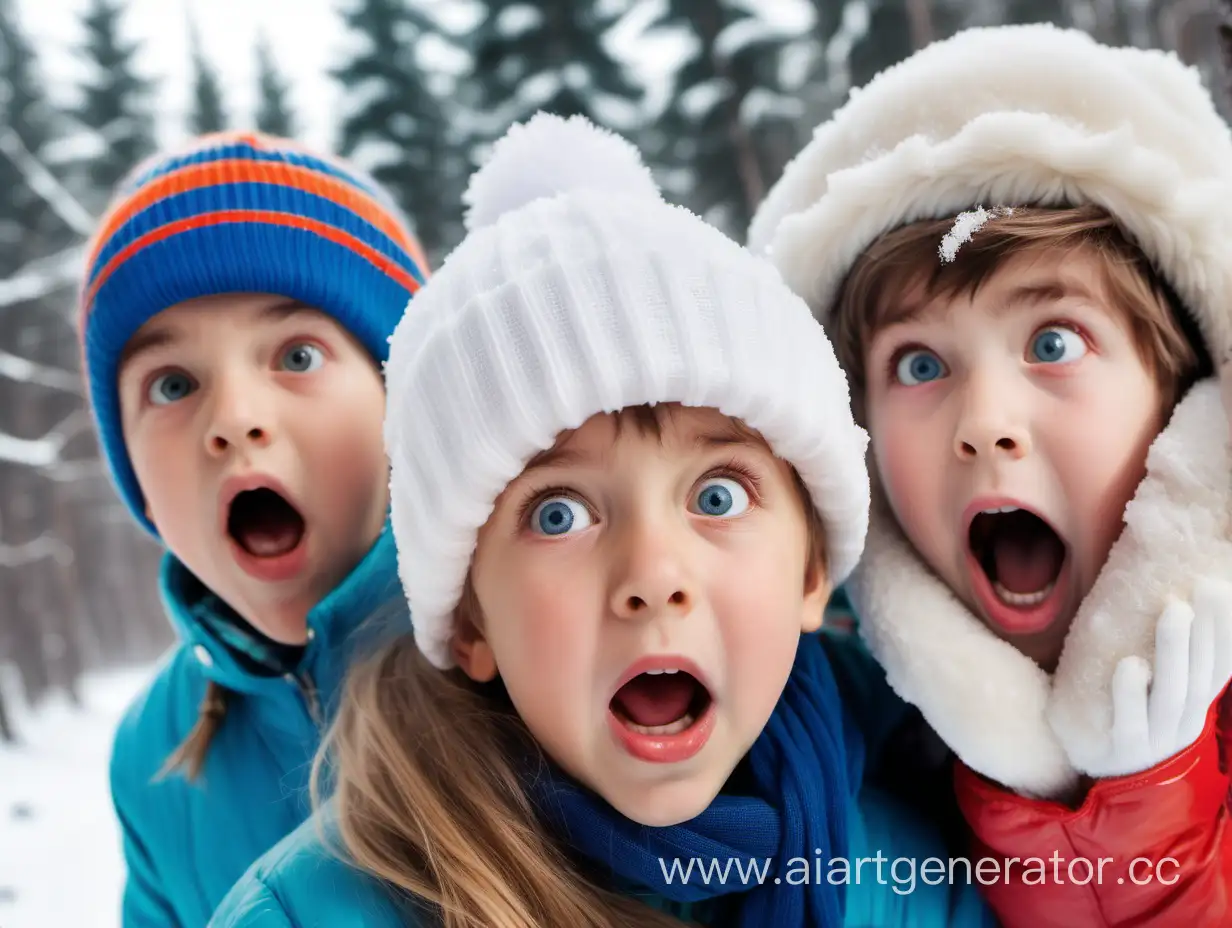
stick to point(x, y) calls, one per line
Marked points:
point(1056, 344)
point(170, 388)
point(721, 497)
point(559, 515)
point(302, 359)
point(919, 366)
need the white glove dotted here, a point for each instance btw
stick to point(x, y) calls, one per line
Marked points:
point(1155, 716)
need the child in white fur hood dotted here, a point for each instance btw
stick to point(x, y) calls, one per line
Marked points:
point(1053, 511)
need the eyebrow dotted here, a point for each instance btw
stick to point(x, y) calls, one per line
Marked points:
point(731, 435)
point(148, 341)
point(284, 309)
point(556, 456)
point(562, 455)
point(163, 337)
point(1048, 290)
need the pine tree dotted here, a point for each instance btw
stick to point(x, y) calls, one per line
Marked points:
point(208, 114)
point(1037, 11)
point(549, 56)
point(114, 100)
point(887, 40)
point(1223, 96)
point(26, 112)
point(273, 111)
point(724, 108)
point(399, 131)
point(40, 606)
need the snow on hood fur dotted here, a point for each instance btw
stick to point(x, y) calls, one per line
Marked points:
point(1018, 116)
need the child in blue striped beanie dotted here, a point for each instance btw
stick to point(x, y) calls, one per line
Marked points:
point(235, 313)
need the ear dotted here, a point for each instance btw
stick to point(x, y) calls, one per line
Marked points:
point(817, 592)
point(472, 653)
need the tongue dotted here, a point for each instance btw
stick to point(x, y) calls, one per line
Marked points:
point(270, 539)
point(1027, 561)
point(265, 525)
point(656, 699)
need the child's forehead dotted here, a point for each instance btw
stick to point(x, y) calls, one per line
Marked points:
point(671, 427)
point(229, 313)
point(1029, 278)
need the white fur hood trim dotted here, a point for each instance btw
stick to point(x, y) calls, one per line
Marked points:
point(993, 705)
point(1016, 116)
point(1178, 529)
point(1021, 116)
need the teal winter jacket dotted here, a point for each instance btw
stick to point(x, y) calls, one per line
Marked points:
point(305, 883)
point(184, 843)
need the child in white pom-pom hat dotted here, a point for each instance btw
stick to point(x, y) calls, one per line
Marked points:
point(625, 477)
point(1018, 240)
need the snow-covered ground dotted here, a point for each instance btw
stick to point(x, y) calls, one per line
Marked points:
point(60, 861)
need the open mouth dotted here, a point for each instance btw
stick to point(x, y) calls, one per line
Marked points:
point(661, 702)
point(1021, 555)
point(264, 524)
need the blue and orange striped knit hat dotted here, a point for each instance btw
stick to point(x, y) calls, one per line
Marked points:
point(238, 212)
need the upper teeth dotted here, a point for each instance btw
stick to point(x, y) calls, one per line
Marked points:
point(664, 670)
point(1000, 509)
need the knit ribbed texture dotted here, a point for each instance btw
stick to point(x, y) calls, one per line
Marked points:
point(587, 302)
point(238, 212)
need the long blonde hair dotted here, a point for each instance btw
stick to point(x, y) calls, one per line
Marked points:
point(429, 800)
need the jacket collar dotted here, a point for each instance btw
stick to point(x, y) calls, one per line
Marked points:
point(997, 709)
point(337, 625)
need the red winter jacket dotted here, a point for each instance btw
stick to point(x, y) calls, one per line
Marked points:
point(1163, 834)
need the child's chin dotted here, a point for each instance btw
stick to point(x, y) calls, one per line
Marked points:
point(662, 805)
point(1043, 645)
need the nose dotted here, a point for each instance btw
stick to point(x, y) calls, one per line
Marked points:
point(653, 580)
point(989, 429)
point(240, 415)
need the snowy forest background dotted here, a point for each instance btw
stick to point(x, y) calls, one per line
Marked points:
point(425, 86)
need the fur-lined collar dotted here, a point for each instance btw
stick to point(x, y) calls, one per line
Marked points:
point(995, 707)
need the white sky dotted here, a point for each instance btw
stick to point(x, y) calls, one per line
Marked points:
point(307, 38)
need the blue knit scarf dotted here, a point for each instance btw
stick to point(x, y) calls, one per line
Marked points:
point(805, 767)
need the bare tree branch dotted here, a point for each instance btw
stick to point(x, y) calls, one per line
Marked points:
point(42, 278)
point(32, 452)
point(46, 545)
point(43, 452)
point(24, 371)
point(72, 471)
point(35, 550)
point(920, 16)
point(1183, 22)
point(44, 183)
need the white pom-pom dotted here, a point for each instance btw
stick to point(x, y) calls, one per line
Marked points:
point(547, 156)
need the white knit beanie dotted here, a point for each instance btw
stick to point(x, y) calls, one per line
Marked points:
point(579, 291)
point(1016, 116)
